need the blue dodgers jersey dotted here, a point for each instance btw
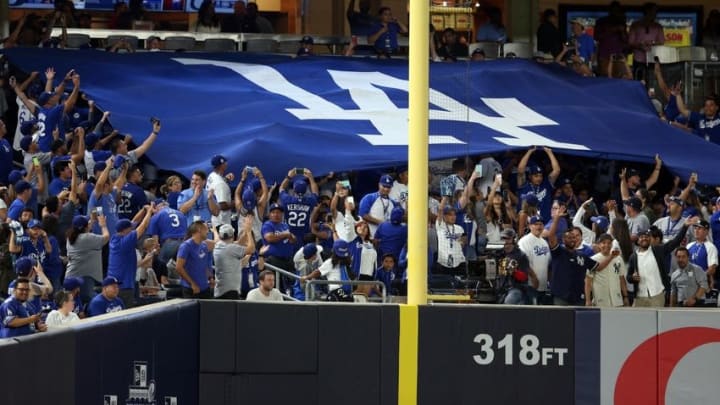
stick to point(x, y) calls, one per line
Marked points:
point(297, 212)
point(168, 223)
point(197, 262)
point(132, 199)
point(544, 194)
point(100, 305)
point(391, 239)
point(48, 120)
point(122, 260)
point(109, 207)
point(58, 185)
point(9, 310)
point(281, 249)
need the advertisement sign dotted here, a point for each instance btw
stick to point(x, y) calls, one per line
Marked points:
point(680, 27)
point(149, 5)
point(495, 355)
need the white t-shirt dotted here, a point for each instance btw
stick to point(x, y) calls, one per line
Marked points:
point(24, 114)
point(256, 295)
point(650, 283)
point(303, 267)
point(450, 250)
point(331, 273)
point(56, 319)
point(345, 226)
point(399, 193)
point(606, 290)
point(538, 252)
point(368, 258)
point(222, 194)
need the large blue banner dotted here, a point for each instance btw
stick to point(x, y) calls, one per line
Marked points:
point(333, 113)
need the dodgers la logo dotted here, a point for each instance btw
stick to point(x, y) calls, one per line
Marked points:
point(391, 122)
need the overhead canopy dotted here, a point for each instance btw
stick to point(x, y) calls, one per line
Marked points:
point(332, 113)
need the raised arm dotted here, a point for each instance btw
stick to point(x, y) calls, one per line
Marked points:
point(655, 175)
point(552, 232)
point(149, 209)
point(103, 179)
point(553, 175)
point(70, 102)
point(681, 104)
point(523, 165)
point(264, 192)
point(660, 79)
point(311, 180)
point(148, 142)
point(350, 9)
point(624, 191)
point(79, 145)
point(690, 186)
point(21, 94)
point(30, 78)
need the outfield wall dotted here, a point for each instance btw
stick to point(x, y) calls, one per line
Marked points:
point(220, 352)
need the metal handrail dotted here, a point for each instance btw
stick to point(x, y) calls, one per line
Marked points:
point(310, 292)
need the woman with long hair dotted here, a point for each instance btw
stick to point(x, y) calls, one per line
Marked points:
point(208, 20)
point(528, 209)
point(498, 217)
point(171, 190)
point(84, 250)
point(364, 256)
point(336, 268)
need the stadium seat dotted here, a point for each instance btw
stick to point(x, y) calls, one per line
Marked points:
point(220, 45)
point(520, 49)
point(77, 41)
point(492, 49)
point(179, 43)
point(692, 54)
point(131, 39)
point(260, 45)
point(666, 54)
point(288, 46)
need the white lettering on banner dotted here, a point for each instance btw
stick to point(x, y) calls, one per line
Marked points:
point(391, 122)
point(530, 353)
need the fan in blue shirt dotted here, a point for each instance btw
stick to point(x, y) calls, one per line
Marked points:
point(107, 301)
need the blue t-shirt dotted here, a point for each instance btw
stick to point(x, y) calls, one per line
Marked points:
point(168, 223)
point(34, 250)
point(9, 310)
point(122, 260)
point(715, 229)
point(6, 160)
point(586, 47)
point(57, 185)
point(391, 239)
point(387, 42)
point(15, 209)
point(197, 261)
point(132, 198)
point(100, 305)
point(491, 33)
point(48, 120)
point(282, 249)
point(297, 212)
point(109, 207)
point(544, 193)
point(568, 273)
point(172, 199)
point(708, 128)
point(698, 255)
point(200, 208)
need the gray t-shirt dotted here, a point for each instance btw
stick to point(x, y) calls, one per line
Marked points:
point(228, 271)
point(256, 295)
point(638, 224)
point(85, 256)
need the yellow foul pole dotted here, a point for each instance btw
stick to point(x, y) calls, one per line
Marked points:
point(418, 200)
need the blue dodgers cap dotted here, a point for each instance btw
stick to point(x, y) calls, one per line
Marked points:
point(531, 199)
point(300, 186)
point(396, 215)
point(72, 283)
point(602, 222)
point(26, 128)
point(534, 169)
point(633, 202)
point(44, 97)
point(109, 280)
point(309, 250)
point(386, 180)
point(535, 219)
point(24, 265)
point(99, 167)
point(276, 206)
point(122, 225)
point(25, 142)
point(255, 184)
point(91, 139)
point(15, 176)
point(119, 160)
point(341, 248)
point(217, 160)
point(249, 201)
point(80, 222)
point(34, 223)
point(21, 186)
point(307, 39)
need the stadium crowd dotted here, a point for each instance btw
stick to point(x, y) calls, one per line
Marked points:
point(82, 233)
